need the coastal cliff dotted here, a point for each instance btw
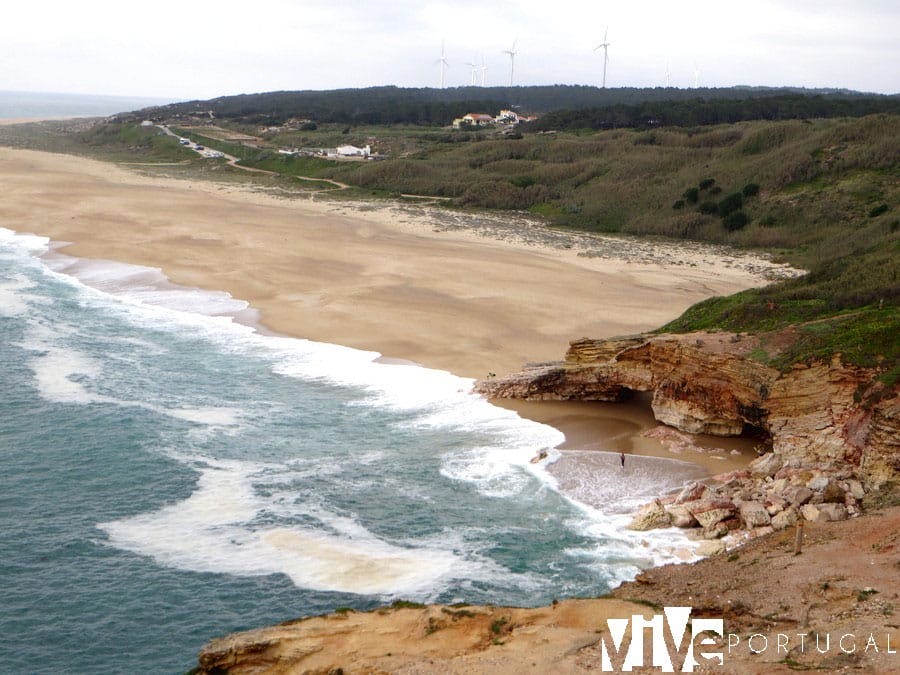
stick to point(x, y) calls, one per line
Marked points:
point(817, 416)
point(762, 588)
point(832, 430)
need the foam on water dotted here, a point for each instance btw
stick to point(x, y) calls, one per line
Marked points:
point(144, 285)
point(59, 374)
point(213, 531)
point(13, 299)
point(232, 521)
point(597, 479)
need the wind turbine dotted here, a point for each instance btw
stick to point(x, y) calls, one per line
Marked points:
point(473, 74)
point(696, 76)
point(483, 69)
point(443, 62)
point(667, 74)
point(605, 46)
point(512, 60)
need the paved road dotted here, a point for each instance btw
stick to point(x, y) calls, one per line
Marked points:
point(212, 154)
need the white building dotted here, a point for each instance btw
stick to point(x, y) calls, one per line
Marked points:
point(353, 151)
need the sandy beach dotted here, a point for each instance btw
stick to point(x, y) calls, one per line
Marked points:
point(458, 292)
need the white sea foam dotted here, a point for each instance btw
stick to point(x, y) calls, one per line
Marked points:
point(59, 372)
point(144, 285)
point(63, 374)
point(213, 531)
point(597, 478)
point(13, 299)
point(210, 416)
point(25, 243)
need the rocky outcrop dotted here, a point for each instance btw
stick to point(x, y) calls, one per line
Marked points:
point(834, 431)
point(742, 504)
point(710, 383)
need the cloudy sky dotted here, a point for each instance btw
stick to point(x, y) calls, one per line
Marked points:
point(202, 49)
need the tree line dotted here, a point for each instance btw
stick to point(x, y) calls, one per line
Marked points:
point(587, 107)
point(703, 112)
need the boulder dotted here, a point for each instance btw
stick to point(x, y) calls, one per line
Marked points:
point(823, 513)
point(833, 493)
point(649, 517)
point(690, 493)
point(716, 531)
point(711, 547)
point(766, 465)
point(711, 512)
point(817, 483)
point(680, 516)
point(785, 519)
point(754, 514)
point(775, 503)
point(778, 485)
point(832, 511)
point(855, 488)
point(797, 494)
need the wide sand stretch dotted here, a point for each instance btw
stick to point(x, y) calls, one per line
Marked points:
point(471, 299)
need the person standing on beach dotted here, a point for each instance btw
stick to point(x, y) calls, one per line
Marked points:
point(622, 459)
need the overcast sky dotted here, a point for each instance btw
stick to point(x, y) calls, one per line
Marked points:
point(202, 49)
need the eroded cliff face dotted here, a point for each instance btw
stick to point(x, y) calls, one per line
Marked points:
point(708, 383)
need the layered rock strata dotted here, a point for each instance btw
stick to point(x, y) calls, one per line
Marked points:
point(834, 431)
point(708, 383)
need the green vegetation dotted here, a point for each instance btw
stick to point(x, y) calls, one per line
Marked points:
point(642, 601)
point(498, 625)
point(137, 142)
point(720, 109)
point(406, 604)
point(864, 594)
point(578, 107)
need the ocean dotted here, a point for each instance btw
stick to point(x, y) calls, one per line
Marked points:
point(172, 473)
point(27, 104)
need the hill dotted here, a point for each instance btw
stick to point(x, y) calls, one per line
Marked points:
point(394, 105)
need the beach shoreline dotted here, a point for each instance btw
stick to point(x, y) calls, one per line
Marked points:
point(470, 294)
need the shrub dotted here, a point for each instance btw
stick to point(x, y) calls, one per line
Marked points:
point(731, 203)
point(750, 190)
point(679, 204)
point(715, 190)
point(735, 220)
point(691, 195)
point(522, 181)
point(707, 183)
point(709, 207)
point(878, 210)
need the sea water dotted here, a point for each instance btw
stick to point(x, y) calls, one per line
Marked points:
point(26, 104)
point(169, 474)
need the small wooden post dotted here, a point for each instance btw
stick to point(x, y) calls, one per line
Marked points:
point(798, 539)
